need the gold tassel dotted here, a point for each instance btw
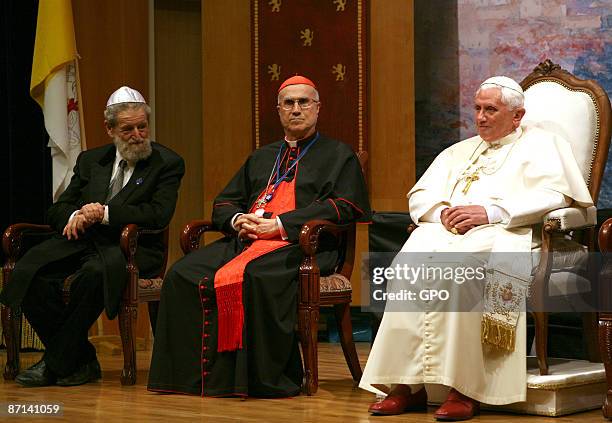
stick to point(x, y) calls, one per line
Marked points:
point(497, 334)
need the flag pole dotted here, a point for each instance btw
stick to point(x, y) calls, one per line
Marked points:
point(81, 105)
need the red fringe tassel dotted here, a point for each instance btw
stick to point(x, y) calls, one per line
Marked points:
point(231, 317)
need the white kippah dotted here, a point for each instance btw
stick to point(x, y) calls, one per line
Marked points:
point(125, 95)
point(504, 81)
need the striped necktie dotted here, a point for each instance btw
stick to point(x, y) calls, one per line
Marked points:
point(117, 183)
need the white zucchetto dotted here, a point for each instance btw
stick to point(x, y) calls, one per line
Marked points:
point(125, 95)
point(504, 81)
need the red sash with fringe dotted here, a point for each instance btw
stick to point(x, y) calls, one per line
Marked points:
point(229, 278)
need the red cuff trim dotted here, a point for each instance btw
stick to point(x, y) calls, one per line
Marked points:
point(334, 204)
point(351, 204)
point(224, 204)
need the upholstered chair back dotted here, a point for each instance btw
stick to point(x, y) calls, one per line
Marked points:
point(572, 114)
point(576, 110)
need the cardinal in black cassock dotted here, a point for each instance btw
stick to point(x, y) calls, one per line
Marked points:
point(228, 311)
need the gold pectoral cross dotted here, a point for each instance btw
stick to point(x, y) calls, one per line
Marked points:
point(468, 181)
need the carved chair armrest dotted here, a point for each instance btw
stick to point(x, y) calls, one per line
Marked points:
point(309, 279)
point(192, 233)
point(128, 241)
point(605, 273)
point(605, 236)
point(559, 220)
point(12, 241)
point(312, 230)
point(571, 218)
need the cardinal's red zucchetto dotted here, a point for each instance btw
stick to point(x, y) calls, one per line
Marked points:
point(295, 80)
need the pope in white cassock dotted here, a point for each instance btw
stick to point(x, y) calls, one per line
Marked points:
point(483, 194)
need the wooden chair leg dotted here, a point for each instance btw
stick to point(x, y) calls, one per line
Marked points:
point(345, 329)
point(541, 339)
point(308, 326)
point(11, 325)
point(127, 323)
point(605, 349)
point(589, 328)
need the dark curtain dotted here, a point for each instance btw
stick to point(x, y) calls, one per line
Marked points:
point(25, 166)
point(436, 79)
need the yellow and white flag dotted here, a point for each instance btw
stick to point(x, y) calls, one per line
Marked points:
point(55, 87)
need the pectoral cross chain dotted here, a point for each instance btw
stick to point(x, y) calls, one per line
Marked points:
point(468, 181)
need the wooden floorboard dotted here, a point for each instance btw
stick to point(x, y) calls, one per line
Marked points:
point(337, 400)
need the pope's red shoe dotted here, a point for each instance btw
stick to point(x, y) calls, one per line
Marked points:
point(457, 407)
point(396, 403)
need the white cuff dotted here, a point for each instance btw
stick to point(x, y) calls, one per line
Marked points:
point(105, 218)
point(74, 213)
point(236, 216)
point(496, 214)
point(283, 233)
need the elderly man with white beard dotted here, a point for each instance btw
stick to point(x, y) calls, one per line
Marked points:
point(132, 180)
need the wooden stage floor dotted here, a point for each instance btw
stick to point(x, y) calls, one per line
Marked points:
point(336, 400)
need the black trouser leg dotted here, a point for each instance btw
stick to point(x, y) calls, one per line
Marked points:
point(43, 304)
point(65, 330)
point(70, 347)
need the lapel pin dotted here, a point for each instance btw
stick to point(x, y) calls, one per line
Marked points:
point(139, 181)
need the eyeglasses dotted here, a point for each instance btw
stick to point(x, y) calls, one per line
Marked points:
point(303, 103)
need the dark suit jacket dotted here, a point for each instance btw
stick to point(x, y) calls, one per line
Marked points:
point(148, 199)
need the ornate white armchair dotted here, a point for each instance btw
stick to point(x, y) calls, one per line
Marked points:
point(579, 111)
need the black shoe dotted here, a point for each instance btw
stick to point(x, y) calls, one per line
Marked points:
point(89, 372)
point(37, 375)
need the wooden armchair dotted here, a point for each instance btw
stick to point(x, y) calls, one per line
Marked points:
point(579, 111)
point(605, 315)
point(314, 291)
point(15, 241)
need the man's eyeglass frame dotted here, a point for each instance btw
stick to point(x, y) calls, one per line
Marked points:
point(302, 103)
